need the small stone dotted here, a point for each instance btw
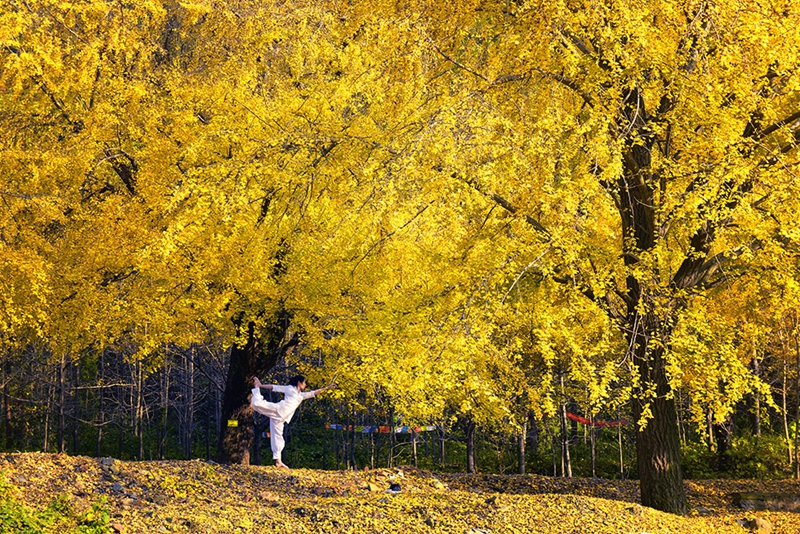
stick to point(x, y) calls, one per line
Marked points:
point(117, 487)
point(759, 525)
point(636, 510)
point(269, 497)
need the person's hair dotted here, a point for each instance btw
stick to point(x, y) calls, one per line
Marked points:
point(296, 380)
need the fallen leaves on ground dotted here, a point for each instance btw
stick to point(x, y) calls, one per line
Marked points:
point(204, 497)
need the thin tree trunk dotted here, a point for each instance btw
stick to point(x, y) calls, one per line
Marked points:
point(162, 442)
point(757, 408)
point(414, 447)
point(566, 464)
point(797, 406)
point(593, 442)
point(442, 444)
point(48, 410)
point(621, 452)
point(189, 419)
point(523, 434)
point(785, 413)
point(101, 396)
point(62, 401)
point(7, 404)
point(76, 407)
point(139, 406)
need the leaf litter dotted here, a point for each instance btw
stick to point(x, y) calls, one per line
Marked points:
point(205, 497)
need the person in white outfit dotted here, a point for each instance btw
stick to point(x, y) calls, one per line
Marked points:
point(280, 413)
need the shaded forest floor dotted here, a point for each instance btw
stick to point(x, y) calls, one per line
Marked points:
point(197, 496)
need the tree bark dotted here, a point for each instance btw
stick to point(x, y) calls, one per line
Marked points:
point(62, 401)
point(658, 443)
point(523, 434)
point(9, 441)
point(757, 395)
point(566, 462)
point(470, 435)
point(236, 432)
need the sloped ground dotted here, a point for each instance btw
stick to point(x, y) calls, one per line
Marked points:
point(197, 496)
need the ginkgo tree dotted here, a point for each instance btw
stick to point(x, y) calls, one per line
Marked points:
point(395, 185)
point(650, 146)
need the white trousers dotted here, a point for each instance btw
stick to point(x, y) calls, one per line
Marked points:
point(270, 409)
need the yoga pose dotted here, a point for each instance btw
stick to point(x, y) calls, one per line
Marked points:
point(280, 413)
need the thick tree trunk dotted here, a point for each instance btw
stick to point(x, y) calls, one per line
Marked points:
point(236, 432)
point(658, 443)
point(470, 435)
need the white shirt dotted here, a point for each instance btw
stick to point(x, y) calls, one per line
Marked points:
point(292, 397)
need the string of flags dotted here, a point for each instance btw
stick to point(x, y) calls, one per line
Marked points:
point(585, 421)
point(381, 429)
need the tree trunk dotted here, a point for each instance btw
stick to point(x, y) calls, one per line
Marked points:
point(236, 430)
point(442, 450)
point(523, 434)
point(785, 412)
point(189, 406)
point(757, 407)
point(797, 406)
point(101, 416)
point(162, 439)
point(566, 462)
point(7, 405)
point(62, 401)
point(470, 435)
point(593, 431)
point(414, 447)
point(658, 443)
point(621, 452)
point(76, 407)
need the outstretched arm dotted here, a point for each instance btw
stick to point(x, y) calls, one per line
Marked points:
point(257, 383)
point(320, 390)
